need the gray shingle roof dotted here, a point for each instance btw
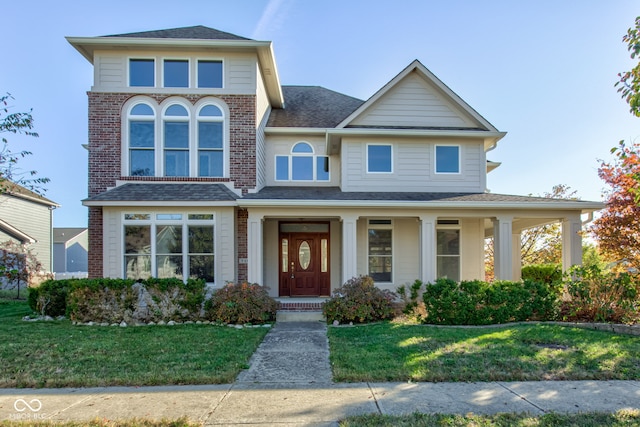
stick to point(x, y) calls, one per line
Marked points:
point(312, 106)
point(334, 193)
point(195, 32)
point(152, 192)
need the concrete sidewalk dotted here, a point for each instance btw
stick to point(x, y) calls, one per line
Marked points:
point(289, 383)
point(320, 404)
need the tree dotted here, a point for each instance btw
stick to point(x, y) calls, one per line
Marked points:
point(629, 81)
point(19, 266)
point(618, 228)
point(16, 123)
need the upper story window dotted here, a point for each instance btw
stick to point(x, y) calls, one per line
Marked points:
point(447, 159)
point(379, 158)
point(209, 74)
point(177, 140)
point(302, 165)
point(176, 73)
point(142, 72)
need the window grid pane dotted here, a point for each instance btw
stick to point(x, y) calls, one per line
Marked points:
point(448, 254)
point(176, 73)
point(380, 256)
point(447, 159)
point(201, 252)
point(302, 168)
point(379, 158)
point(210, 74)
point(141, 72)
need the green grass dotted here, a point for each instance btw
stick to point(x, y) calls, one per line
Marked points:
point(398, 352)
point(59, 354)
point(591, 419)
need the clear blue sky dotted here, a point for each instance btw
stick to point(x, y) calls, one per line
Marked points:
point(541, 70)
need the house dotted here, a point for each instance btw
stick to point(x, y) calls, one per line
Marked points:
point(27, 218)
point(201, 163)
point(70, 249)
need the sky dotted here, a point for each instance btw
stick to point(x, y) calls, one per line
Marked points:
point(541, 70)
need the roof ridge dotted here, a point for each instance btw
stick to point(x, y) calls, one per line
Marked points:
point(190, 32)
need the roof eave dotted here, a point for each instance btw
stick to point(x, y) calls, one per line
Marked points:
point(154, 203)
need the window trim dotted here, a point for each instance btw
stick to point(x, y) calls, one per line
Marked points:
point(370, 144)
point(435, 159)
point(163, 74)
point(153, 222)
point(389, 226)
point(145, 58)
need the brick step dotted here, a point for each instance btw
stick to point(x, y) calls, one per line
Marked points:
point(300, 309)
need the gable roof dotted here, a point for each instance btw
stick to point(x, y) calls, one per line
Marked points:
point(64, 234)
point(312, 107)
point(16, 233)
point(195, 32)
point(10, 188)
point(438, 93)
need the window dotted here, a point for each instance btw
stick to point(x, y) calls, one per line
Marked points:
point(210, 141)
point(448, 253)
point(169, 246)
point(210, 74)
point(447, 159)
point(380, 235)
point(141, 140)
point(142, 72)
point(176, 73)
point(176, 141)
point(302, 165)
point(191, 139)
point(379, 158)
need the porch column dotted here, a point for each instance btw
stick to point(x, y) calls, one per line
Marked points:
point(503, 247)
point(349, 247)
point(428, 250)
point(255, 248)
point(516, 255)
point(571, 241)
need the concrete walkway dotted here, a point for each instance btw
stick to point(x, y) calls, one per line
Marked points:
point(289, 383)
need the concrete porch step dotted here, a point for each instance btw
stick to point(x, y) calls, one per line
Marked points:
point(300, 309)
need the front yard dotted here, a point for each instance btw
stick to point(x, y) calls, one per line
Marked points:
point(400, 352)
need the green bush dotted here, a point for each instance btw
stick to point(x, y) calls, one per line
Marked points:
point(359, 301)
point(544, 273)
point(241, 303)
point(597, 296)
point(50, 298)
point(480, 303)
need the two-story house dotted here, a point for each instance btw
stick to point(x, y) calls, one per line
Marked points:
point(201, 163)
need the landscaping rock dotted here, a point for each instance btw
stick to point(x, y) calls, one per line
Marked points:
point(123, 324)
point(171, 323)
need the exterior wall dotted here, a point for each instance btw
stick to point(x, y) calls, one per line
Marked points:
point(472, 248)
point(263, 108)
point(31, 218)
point(413, 167)
point(224, 238)
point(282, 145)
point(76, 253)
point(414, 102)
point(111, 75)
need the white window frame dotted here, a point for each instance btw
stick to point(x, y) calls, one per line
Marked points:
point(162, 73)
point(189, 120)
point(155, 71)
point(389, 226)
point(457, 227)
point(196, 149)
point(314, 159)
point(435, 159)
point(126, 153)
point(195, 72)
point(390, 159)
point(153, 222)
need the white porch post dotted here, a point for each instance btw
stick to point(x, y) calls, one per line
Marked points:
point(428, 248)
point(503, 247)
point(516, 255)
point(255, 248)
point(571, 241)
point(349, 247)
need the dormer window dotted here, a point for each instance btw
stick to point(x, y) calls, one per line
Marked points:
point(142, 72)
point(302, 165)
point(176, 73)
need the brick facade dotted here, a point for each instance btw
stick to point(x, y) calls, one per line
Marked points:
point(105, 157)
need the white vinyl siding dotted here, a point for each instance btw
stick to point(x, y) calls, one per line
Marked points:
point(413, 102)
point(413, 168)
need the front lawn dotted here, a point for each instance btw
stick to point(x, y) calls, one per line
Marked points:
point(398, 352)
point(58, 354)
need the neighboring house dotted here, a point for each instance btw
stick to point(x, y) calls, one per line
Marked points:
point(202, 164)
point(70, 249)
point(27, 218)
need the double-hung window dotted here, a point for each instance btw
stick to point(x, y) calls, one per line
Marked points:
point(448, 252)
point(169, 245)
point(210, 141)
point(380, 250)
point(142, 140)
point(302, 165)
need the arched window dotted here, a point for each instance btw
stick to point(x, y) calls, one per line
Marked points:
point(176, 140)
point(141, 140)
point(210, 141)
point(302, 165)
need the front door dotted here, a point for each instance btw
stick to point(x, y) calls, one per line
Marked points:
point(304, 259)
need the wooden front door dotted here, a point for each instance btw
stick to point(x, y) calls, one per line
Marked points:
point(304, 261)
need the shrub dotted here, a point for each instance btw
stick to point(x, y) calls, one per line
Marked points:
point(50, 298)
point(413, 304)
point(544, 273)
point(359, 301)
point(480, 303)
point(241, 303)
point(597, 296)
